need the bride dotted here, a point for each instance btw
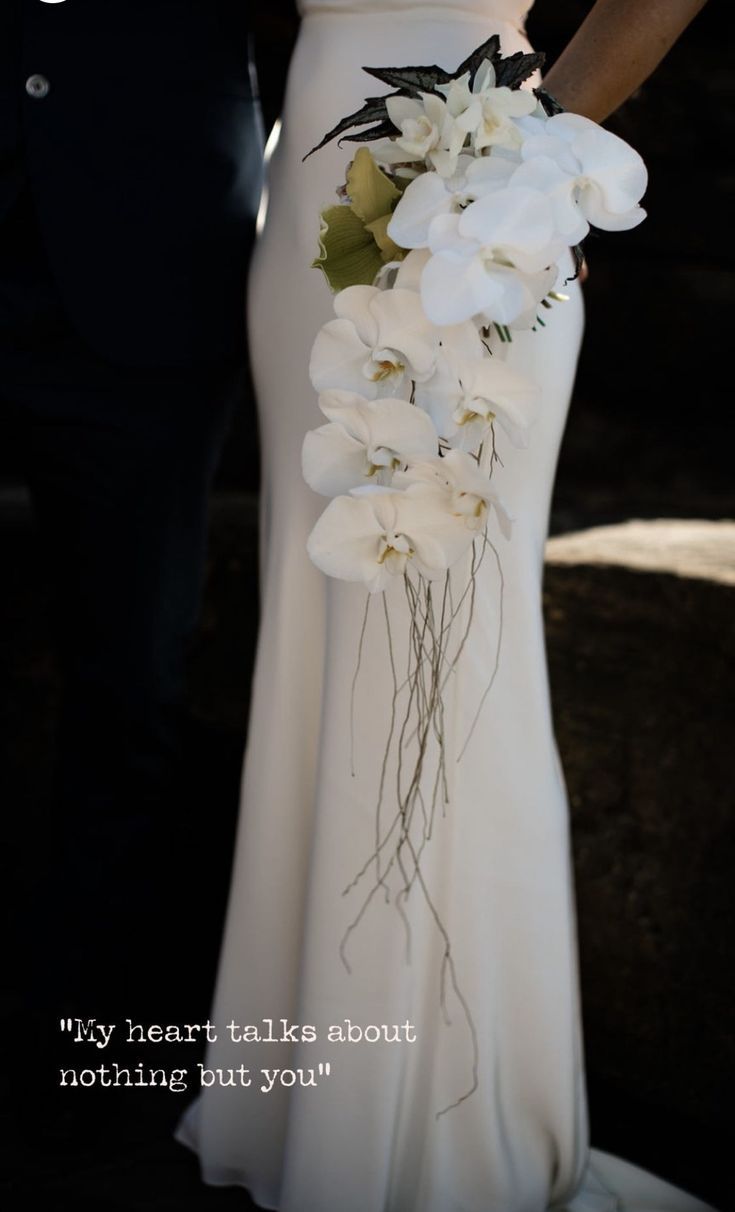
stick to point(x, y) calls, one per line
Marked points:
point(371, 1094)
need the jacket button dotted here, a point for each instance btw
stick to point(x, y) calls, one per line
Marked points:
point(37, 87)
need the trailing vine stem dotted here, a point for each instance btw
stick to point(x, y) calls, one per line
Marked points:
point(416, 747)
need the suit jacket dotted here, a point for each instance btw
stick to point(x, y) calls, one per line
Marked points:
point(136, 123)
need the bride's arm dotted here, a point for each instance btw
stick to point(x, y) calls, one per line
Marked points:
point(615, 49)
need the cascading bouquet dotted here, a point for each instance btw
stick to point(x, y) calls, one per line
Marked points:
point(448, 236)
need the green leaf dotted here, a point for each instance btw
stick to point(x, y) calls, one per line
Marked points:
point(389, 250)
point(370, 191)
point(348, 253)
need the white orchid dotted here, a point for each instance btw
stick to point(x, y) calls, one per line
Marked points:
point(488, 114)
point(411, 371)
point(428, 133)
point(534, 124)
point(430, 194)
point(380, 341)
point(466, 395)
point(454, 482)
point(485, 260)
point(410, 269)
point(364, 440)
point(376, 533)
point(590, 175)
point(405, 274)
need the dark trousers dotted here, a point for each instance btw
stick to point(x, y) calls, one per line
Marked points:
point(119, 463)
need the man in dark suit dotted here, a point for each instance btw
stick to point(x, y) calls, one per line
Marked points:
point(130, 171)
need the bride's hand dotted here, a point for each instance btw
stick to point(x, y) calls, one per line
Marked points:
point(615, 49)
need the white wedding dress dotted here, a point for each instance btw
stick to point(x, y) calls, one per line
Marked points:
point(367, 1137)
